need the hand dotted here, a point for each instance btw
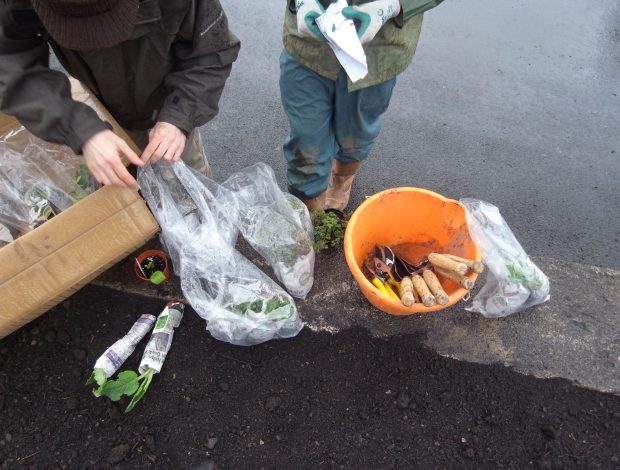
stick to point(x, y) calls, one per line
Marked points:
point(166, 142)
point(372, 16)
point(307, 12)
point(102, 153)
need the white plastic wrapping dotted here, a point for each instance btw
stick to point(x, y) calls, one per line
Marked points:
point(114, 357)
point(160, 341)
point(277, 225)
point(5, 235)
point(38, 180)
point(241, 304)
point(514, 282)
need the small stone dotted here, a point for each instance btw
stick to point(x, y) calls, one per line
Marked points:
point(469, 453)
point(278, 437)
point(63, 337)
point(118, 453)
point(545, 464)
point(79, 354)
point(548, 432)
point(223, 386)
point(50, 336)
point(33, 342)
point(614, 459)
point(149, 442)
point(8, 437)
point(206, 465)
point(445, 397)
point(211, 443)
point(403, 400)
point(113, 412)
point(35, 331)
point(71, 403)
point(272, 403)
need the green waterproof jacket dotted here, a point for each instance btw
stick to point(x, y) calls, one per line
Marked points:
point(173, 68)
point(388, 54)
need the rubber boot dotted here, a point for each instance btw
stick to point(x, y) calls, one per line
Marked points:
point(339, 189)
point(317, 202)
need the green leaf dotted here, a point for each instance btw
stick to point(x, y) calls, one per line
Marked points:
point(81, 177)
point(158, 277)
point(144, 386)
point(98, 375)
point(256, 306)
point(274, 304)
point(241, 308)
point(125, 384)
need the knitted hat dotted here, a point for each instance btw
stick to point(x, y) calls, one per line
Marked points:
point(87, 24)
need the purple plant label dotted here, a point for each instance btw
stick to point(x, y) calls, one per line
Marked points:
point(114, 359)
point(146, 319)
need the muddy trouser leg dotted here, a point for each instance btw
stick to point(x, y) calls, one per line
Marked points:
point(193, 155)
point(307, 99)
point(357, 119)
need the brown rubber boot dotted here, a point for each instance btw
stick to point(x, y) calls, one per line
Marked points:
point(339, 189)
point(317, 202)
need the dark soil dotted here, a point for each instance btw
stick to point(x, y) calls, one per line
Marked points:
point(315, 401)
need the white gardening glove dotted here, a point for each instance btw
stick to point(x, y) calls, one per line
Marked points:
point(372, 16)
point(307, 12)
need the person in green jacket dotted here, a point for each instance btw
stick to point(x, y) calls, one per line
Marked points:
point(158, 66)
point(333, 121)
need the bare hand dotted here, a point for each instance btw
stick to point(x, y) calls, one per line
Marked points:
point(166, 142)
point(102, 153)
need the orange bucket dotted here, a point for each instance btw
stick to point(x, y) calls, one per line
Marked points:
point(408, 215)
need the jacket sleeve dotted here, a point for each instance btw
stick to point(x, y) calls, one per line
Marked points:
point(203, 58)
point(411, 8)
point(40, 98)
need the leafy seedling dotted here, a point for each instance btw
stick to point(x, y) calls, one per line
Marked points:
point(82, 181)
point(328, 229)
point(128, 383)
point(152, 268)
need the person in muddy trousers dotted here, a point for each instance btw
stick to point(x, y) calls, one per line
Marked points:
point(333, 121)
point(158, 66)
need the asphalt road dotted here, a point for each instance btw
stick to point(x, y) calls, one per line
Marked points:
point(514, 102)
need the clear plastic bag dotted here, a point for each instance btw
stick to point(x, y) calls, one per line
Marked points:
point(241, 304)
point(514, 282)
point(38, 180)
point(275, 224)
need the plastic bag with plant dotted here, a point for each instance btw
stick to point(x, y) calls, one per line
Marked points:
point(514, 282)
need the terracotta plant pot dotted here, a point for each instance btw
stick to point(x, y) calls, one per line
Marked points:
point(152, 266)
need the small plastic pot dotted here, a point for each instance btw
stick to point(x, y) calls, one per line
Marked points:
point(152, 266)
